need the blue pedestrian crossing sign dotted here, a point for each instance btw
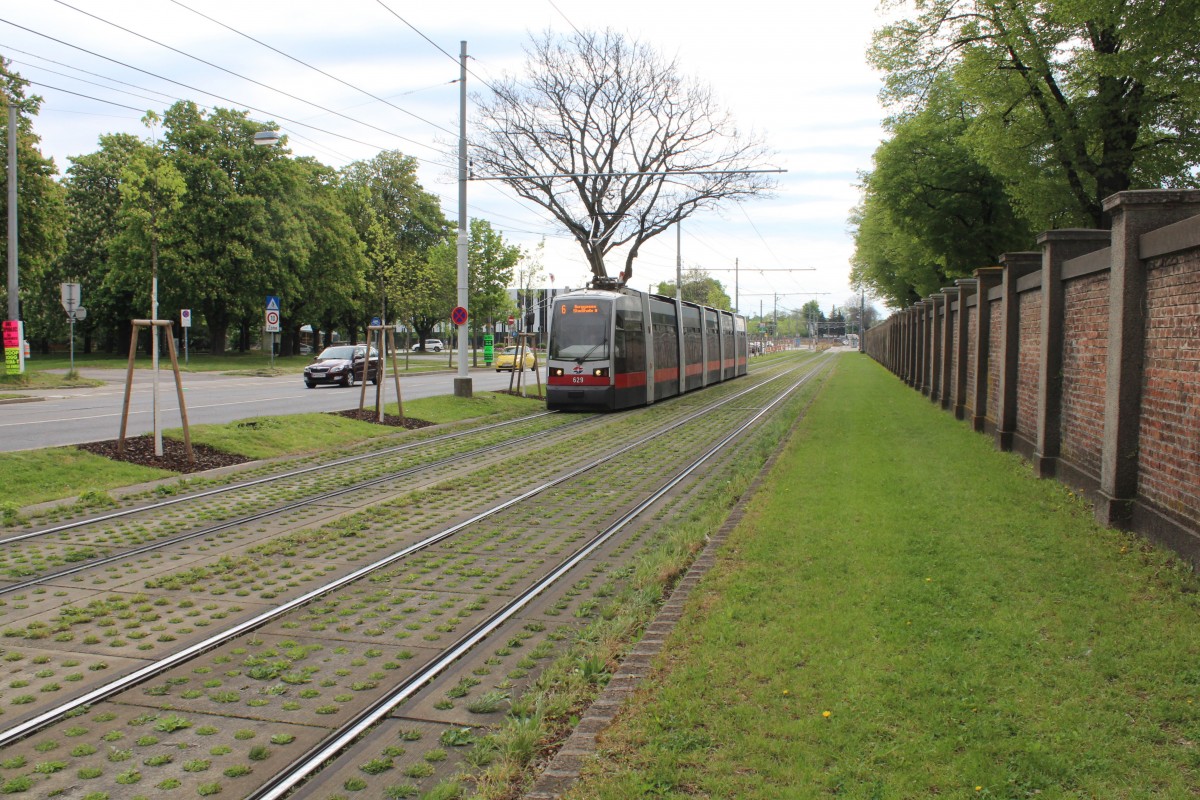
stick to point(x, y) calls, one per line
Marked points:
point(272, 302)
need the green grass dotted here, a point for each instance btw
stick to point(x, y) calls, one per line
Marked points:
point(36, 476)
point(268, 437)
point(38, 379)
point(906, 612)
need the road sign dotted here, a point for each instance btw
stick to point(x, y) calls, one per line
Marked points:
point(459, 316)
point(511, 320)
point(272, 302)
point(272, 325)
point(185, 317)
point(70, 297)
point(376, 322)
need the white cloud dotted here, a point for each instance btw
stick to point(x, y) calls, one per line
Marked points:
point(794, 72)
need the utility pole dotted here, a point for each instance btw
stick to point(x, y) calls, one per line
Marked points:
point(462, 383)
point(14, 307)
point(679, 263)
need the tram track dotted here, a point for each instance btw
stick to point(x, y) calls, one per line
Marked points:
point(704, 416)
point(286, 780)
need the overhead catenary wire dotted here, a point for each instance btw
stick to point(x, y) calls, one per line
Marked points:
point(240, 76)
point(246, 106)
point(315, 69)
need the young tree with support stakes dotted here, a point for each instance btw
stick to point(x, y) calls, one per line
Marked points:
point(612, 140)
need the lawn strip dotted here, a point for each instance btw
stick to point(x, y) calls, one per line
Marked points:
point(906, 612)
point(37, 476)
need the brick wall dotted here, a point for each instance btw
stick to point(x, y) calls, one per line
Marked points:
point(993, 381)
point(952, 345)
point(1169, 434)
point(970, 312)
point(1085, 348)
point(1119, 392)
point(1028, 358)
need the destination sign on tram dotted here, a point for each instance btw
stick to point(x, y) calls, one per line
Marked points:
point(579, 308)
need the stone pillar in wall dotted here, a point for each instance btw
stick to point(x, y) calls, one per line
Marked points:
point(963, 290)
point(907, 345)
point(1057, 246)
point(986, 278)
point(1016, 266)
point(1133, 214)
point(936, 306)
point(945, 360)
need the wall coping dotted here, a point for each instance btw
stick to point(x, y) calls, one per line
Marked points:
point(1087, 264)
point(1178, 236)
point(1151, 197)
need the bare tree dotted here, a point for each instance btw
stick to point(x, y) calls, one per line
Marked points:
point(609, 138)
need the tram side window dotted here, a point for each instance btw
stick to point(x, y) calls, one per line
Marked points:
point(630, 347)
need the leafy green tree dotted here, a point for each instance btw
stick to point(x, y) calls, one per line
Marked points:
point(41, 217)
point(931, 211)
point(1091, 96)
point(224, 252)
point(491, 263)
point(698, 287)
point(322, 260)
point(152, 193)
point(400, 222)
point(94, 203)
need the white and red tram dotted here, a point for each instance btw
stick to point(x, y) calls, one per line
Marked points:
point(622, 348)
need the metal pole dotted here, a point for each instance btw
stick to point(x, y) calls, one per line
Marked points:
point(158, 447)
point(14, 307)
point(736, 275)
point(72, 342)
point(462, 384)
point(679, 261)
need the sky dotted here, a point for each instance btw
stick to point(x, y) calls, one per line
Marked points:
point(793, 72)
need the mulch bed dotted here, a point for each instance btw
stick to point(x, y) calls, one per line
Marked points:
point(140, 450)
point(370, 415)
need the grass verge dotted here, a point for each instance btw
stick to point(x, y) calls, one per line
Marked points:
point(905, 612)
point(37, 476)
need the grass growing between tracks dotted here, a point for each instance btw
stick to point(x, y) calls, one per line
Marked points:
point(905, 612)
point(544, 715)
point(37, 476)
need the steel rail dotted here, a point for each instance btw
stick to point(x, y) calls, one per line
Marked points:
point(125, 512)
point(284, 781)
point(264, 514)
point(39, 721)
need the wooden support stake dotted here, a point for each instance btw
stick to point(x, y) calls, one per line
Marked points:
point(187, 434)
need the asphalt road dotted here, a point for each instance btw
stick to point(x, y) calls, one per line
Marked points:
point(73, 416)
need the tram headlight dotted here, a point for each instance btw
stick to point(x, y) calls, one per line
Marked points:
point(556, 372)
point(600, 372)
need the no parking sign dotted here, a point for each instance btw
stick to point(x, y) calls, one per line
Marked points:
point(459, 316)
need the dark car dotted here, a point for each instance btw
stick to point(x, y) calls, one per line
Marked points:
point(342, 364)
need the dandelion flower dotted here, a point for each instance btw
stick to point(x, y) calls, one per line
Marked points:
point(826, 714)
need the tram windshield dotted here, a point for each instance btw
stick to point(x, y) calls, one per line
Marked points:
point(580, 329)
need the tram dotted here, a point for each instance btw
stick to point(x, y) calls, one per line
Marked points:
point(618, 348)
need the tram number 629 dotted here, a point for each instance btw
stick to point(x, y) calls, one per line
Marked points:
point(577, 379)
